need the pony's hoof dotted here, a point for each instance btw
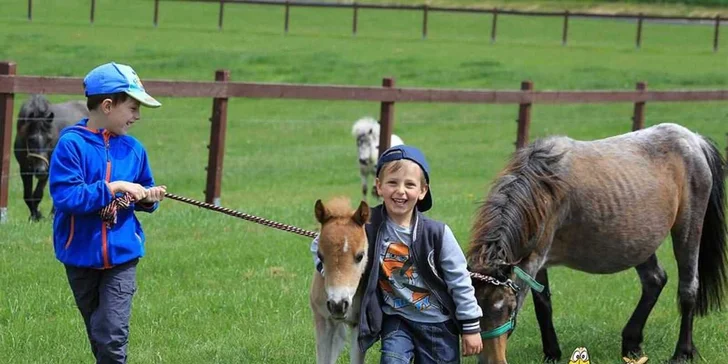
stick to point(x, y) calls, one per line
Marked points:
point(35, 217)
point(684, 356)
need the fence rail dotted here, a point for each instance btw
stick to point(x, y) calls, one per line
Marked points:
point(221, 90)
point(426, 9)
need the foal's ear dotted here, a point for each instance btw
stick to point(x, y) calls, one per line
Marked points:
point(321, 215)
point(361, 216)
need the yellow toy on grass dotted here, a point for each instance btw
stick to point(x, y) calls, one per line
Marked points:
point(579, 356)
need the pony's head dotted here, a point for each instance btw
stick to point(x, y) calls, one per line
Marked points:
point(366, 131)
point(34, 137)
point(343, 250)
point(509, 226)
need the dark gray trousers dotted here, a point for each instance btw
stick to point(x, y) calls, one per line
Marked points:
point(104, 298)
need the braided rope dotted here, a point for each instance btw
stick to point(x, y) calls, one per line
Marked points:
point(243, 215)
point(108, 213)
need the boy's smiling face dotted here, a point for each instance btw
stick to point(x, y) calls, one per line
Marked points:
point(401, 188)
point(122, 115)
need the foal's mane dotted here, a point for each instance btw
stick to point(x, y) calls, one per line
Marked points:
point(339, 207)
point(518, 206)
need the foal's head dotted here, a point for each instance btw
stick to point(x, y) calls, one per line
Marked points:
point(343, 250)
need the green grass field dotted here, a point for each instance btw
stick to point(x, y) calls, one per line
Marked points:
point(214, 289)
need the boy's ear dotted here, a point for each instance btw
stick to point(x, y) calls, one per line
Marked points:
point(106, 105)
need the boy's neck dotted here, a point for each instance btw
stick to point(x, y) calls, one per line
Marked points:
point(404, 222)
point(96, 120)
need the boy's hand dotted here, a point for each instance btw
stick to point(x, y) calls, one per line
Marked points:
point(137, 191)
point(472, 344)
point(155, 194)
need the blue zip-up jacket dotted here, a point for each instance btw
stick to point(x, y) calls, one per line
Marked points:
point(83, 161)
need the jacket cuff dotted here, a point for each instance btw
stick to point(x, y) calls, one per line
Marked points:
point(470, 326)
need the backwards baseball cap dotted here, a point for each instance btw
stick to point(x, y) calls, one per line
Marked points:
point(415, 155)
point(111, 78)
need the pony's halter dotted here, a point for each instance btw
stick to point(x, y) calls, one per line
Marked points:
point(510, 324)
point(36, 155)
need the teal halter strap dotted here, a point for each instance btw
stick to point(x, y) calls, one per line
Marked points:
point(509, 325)
point(500, 330)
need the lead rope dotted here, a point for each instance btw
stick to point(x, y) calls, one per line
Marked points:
point(244, 216)
point(108, 213)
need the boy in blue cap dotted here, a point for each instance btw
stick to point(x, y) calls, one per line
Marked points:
point(418, 295)
point(99, 242)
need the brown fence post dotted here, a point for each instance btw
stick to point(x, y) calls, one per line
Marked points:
point(386, 119)
point(30, 10)
point(424, 21)
point(638, 117)
point(356, 18)
point(6, 130)
point(494, 25)
point(220, 15)
point(565, 32)
point(156, 12)
point(287, 15)
point(217, 143)
point(524, 118)
point(639, 31)
point(715, 34)
point(93, 10)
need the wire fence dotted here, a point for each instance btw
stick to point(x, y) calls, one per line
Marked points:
point(428, 12)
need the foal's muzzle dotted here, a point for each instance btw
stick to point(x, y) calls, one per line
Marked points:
point(337, 309)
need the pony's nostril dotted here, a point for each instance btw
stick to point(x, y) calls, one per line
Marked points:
point(345, 306)
point(330, 306)
point(362, 161)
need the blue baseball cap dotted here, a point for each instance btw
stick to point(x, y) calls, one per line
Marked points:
point(409, 152)
point(111, 78)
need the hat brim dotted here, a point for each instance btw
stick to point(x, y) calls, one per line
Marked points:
point(144, 98)
point(426, 203)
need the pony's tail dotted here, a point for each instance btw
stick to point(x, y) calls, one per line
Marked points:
point(712, 258)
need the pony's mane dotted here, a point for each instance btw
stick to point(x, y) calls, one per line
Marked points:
point(36, 105)
point(364, 125)
point(518, 206)
point(339, 207)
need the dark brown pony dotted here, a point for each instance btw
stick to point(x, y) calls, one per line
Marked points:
point(38, 128)
point(602, 207)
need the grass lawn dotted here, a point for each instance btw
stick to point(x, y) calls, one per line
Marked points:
point(214, 289)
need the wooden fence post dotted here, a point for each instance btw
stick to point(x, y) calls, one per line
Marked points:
point(715, 34)
point(356, 18)
point(639, 31)
point(220, 15)
point(565, 32)
point(494, 25)
point(287, 16)
point(638, 117)
point(217, 143)
point(524, 118)
point(386, 119)
point(6, 130)
point(30, 10)
point(424, 21)
point(93, 10)
point(156, 13)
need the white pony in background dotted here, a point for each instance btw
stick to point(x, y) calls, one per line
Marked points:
point(366, 131)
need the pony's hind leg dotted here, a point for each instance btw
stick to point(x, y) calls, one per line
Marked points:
point(653, 279)
point(544, 315)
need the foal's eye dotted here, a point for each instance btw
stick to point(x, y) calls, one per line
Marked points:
point(321, 257)
point(358, 258)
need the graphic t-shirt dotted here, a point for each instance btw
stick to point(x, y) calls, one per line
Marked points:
point(403, 289)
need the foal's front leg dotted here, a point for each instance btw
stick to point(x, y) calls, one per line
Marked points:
point(544, 315)
point(355, 355)
point(653, 279)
